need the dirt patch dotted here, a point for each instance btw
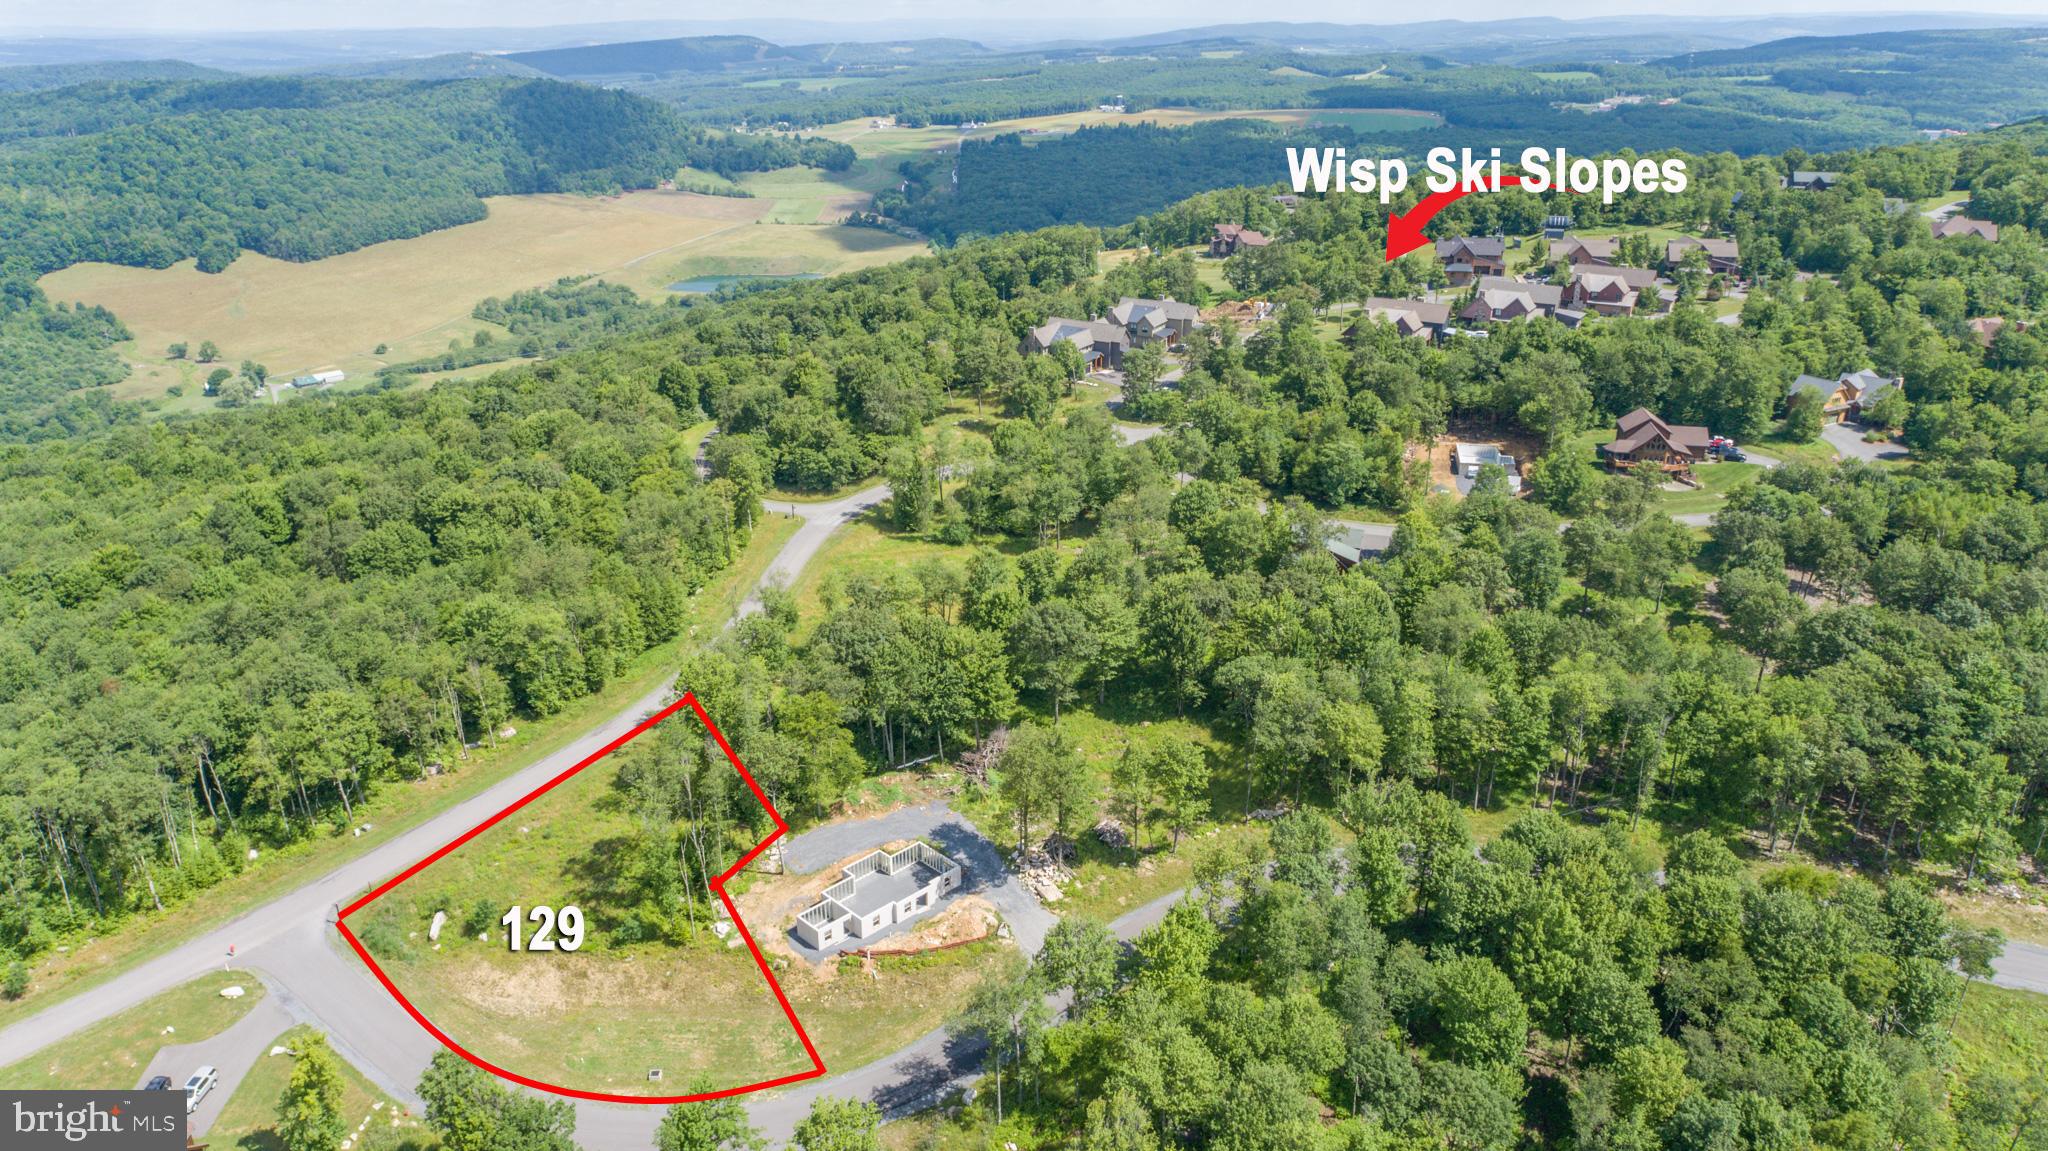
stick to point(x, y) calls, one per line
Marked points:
point(771, 903)
point(1443, 468)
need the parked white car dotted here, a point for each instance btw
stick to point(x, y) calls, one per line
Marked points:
point(197, 1087)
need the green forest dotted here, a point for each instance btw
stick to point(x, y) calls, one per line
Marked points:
point(1562, 823)
point(305, 168)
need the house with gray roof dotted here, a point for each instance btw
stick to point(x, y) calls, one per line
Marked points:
point(1146, 321)
point(1724, 256)
point(1102, 342)
point(876, 892)
point(1419, 318)
point(1812, 181)
point(1846, 396)
point(1961, 225)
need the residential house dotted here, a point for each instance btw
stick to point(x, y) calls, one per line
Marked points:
point(1499, 299)
point(1611, 291)
point(1724, 257)
point(1964, 226)
point(1580, 252)
point(1846, 396)
point(1232, 238)
point(1352, 544)
point(1146, 321)
point(1812, 181)
point(1986, 328)
point(1409, 317)
point(1554, 227)
point(1467, 258)
point(1641, 437)
point(1469, 458)
point(877, 891)
point(1102, 342)
point(1288, 200)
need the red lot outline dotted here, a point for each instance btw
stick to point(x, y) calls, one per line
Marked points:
point(718, 884)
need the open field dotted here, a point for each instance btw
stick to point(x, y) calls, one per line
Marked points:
point(414, 296)
point(871, 141)
point(113, 1052)
point(393, 809)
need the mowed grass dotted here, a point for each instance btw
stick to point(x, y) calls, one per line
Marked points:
point(1716, 481)
point(113, 1052)
point(375, 1121)
point(395, 807)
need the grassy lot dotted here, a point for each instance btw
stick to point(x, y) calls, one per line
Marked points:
point(1716, 481)
point(375, 1120)
point(1777, 443)
point(393, 809)
point(113, 1052)
point(697, 1009)
point(2002, 1027)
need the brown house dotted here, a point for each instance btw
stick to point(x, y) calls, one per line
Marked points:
point(1467, 258)
point(1724, 257)
point(1986, 328)
point(1612, 291)
point(1499, 299)
point(1640, 437)
point(1584, 253)
point(1964, 226)
point(1229, 238)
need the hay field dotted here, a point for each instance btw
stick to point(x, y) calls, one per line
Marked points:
point(415, 295)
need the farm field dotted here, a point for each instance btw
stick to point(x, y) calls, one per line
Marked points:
point(415, 295)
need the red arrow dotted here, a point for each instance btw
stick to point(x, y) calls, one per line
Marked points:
point(1404, 233)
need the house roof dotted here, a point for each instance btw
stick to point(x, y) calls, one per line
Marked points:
point(1803, 177)
point(1863, 386)
point(1543, 295)
point(1081, 333)
point(1599, 248)
point(1132, 309)
point(1964, 226)
point(1716, 249)
point(1419, 314)
point(1238, 233)
point(1643, 426)
point(1480, 247)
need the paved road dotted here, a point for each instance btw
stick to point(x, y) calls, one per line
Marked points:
point(313, 980)
point(1941, 211)
point(230, 1053)
point(2024, 966)
point(1847, 440)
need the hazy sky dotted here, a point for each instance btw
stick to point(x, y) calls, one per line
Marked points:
point(283, 14)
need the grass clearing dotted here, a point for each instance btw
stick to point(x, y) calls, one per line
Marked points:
point(113, 1052)
point(393, 809)
point(1716, 481)
point(2001, 1027)
point(376, 1121)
